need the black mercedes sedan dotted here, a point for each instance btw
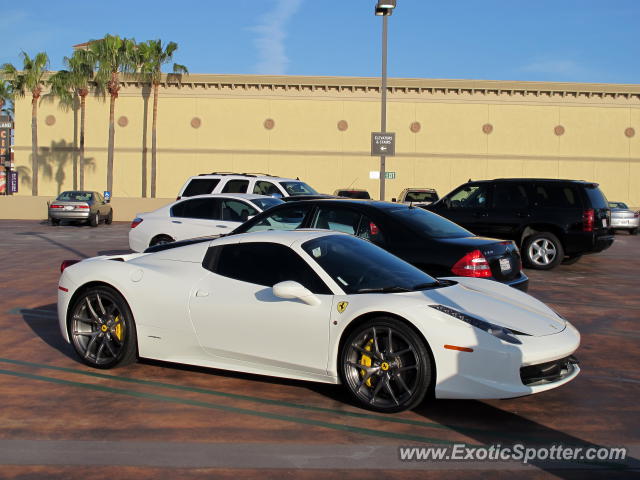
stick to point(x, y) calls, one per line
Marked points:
point(432, 243)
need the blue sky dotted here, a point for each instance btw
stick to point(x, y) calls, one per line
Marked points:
point(546, 40)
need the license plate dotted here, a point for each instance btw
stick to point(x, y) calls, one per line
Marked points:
point(505, 265)
point(69, 207)
point(604, 222)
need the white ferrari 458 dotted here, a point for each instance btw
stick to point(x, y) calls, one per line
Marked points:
point(320, 306)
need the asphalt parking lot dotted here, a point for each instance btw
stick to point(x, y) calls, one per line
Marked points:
point(61, 419)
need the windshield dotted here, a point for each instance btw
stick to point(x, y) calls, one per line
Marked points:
point(618, 205)
point(265, 203)
point(74, 196)
point(298, 188)
point(359, 266)
point(429, 223)
point(417, 196)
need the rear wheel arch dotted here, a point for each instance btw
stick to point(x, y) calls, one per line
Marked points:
point(541, 228)
point(160, 239)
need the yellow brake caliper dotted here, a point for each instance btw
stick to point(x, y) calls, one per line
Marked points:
point(118, 329)
point(366, 361)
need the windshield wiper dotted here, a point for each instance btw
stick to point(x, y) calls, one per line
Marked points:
point(390, 289)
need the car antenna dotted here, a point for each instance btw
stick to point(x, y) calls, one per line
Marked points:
point(351, 184)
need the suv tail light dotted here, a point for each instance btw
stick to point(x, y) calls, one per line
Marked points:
point(136, 221)
point(588, 219)
point(473, 264)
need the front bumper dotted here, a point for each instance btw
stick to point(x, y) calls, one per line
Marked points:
point(494, 369)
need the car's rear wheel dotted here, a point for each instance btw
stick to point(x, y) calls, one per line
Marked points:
point(109, 219)
point(160, 240)
point(94, 220)
point(385, 365)
point(633, 231)
point(102, 328)
point(54, 221)
point(543, 251)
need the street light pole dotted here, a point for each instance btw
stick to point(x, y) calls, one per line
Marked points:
point(384, 8)
point(383, 111)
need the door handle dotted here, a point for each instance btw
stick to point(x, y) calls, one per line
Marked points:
point(222, 226)
point(202, 293)
point(175, 221)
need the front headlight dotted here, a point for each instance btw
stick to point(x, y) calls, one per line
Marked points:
point(496, 330)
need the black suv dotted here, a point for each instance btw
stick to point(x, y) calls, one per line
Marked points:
point(552, 221)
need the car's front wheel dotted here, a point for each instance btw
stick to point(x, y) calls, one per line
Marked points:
point(385, 365)
point(102, 328)
point(543, 251)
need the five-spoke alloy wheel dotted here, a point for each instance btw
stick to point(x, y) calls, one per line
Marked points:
point(385, 365)
point(101, 328)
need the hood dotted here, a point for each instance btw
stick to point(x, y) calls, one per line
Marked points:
point(499, 304)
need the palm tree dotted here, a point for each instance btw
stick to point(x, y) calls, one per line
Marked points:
point(152, 56)
point(29, 79)
point(114, 55)
point(6, 93)
point(74, 83)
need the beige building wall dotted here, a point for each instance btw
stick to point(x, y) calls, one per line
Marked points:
point(318, 129)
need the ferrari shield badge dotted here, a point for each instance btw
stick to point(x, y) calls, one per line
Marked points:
point(342, 306)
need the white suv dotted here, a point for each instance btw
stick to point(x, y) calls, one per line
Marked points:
point(255, 183)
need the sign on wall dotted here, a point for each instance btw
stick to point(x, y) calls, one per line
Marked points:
point(383, 143)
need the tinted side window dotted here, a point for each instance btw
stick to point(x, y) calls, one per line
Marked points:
point(265, 188)
point(555, 195)
point(199, 186)
point(596, 197)
point(288, 218)
point(204, 208)
point(472, 196)
point(263, 264)
point(236, 186)
point(237, 211)
point(510, 195)
point(335, 218)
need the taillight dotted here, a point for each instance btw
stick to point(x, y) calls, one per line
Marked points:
point(473, 264)
point(67, 263)
point(136, 221)
point(82, 206)
point(373, 228)
point(178, 197)
point(588, 219)
point(56, 206)
point(636, 214)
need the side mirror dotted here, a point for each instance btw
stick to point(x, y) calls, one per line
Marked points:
point(290, 290)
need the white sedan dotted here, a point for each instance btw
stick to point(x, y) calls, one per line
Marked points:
point(320, 306)
point(197, 216)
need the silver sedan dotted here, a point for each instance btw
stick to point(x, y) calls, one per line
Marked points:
point(80, 206)
point(623, 218)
